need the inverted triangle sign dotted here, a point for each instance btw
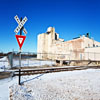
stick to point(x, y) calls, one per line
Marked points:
point(20, 40)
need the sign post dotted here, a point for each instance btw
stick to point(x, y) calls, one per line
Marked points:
point(20, 39)
point(20, 57)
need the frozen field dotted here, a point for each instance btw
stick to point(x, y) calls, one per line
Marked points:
point(32, 62)
point(4, 63)
point(69, 85)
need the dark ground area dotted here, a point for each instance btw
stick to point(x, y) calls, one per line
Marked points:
point(4, 75)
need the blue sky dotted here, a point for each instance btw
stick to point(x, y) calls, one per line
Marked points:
point(69, 17)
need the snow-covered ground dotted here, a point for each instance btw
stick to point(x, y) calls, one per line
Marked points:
point(69, 85)
point(32, 62)
point(4, 89)
point(4, 64)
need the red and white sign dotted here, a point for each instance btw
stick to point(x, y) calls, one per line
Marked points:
point(20, 40)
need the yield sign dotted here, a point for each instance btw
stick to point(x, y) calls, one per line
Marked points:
point(20, 40)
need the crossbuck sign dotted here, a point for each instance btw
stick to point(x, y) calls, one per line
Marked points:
point(20, 38)
point(20, 24)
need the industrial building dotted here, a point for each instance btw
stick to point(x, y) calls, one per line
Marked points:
point(50, 46)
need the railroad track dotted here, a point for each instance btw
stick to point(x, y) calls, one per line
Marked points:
point(52, 69)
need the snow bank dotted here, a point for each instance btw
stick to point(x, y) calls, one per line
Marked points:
point(69, 85)
point(3, 59)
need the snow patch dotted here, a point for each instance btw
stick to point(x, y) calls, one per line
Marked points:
point(69, 85)
point(4, 64)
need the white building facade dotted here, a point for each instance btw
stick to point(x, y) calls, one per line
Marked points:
point(50, 46)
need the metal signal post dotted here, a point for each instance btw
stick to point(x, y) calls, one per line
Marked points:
point(20, 39)
point(20, 57)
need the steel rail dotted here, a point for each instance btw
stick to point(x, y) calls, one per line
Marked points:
point(50, 70)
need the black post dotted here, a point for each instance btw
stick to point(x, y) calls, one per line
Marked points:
point(20, 57)
point(19, 76)
point(21, 28)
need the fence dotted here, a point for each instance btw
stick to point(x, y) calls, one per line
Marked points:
point(29, 59)
point(70, 56)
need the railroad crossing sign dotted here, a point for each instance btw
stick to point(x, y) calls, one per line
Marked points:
point(20, 27)
point(20, 24)
point(20, 40)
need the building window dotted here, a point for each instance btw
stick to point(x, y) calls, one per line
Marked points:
point(93, 45)
point(55, 36)
point(96, 45)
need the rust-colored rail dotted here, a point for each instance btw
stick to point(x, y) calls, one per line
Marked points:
point(52, 69)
